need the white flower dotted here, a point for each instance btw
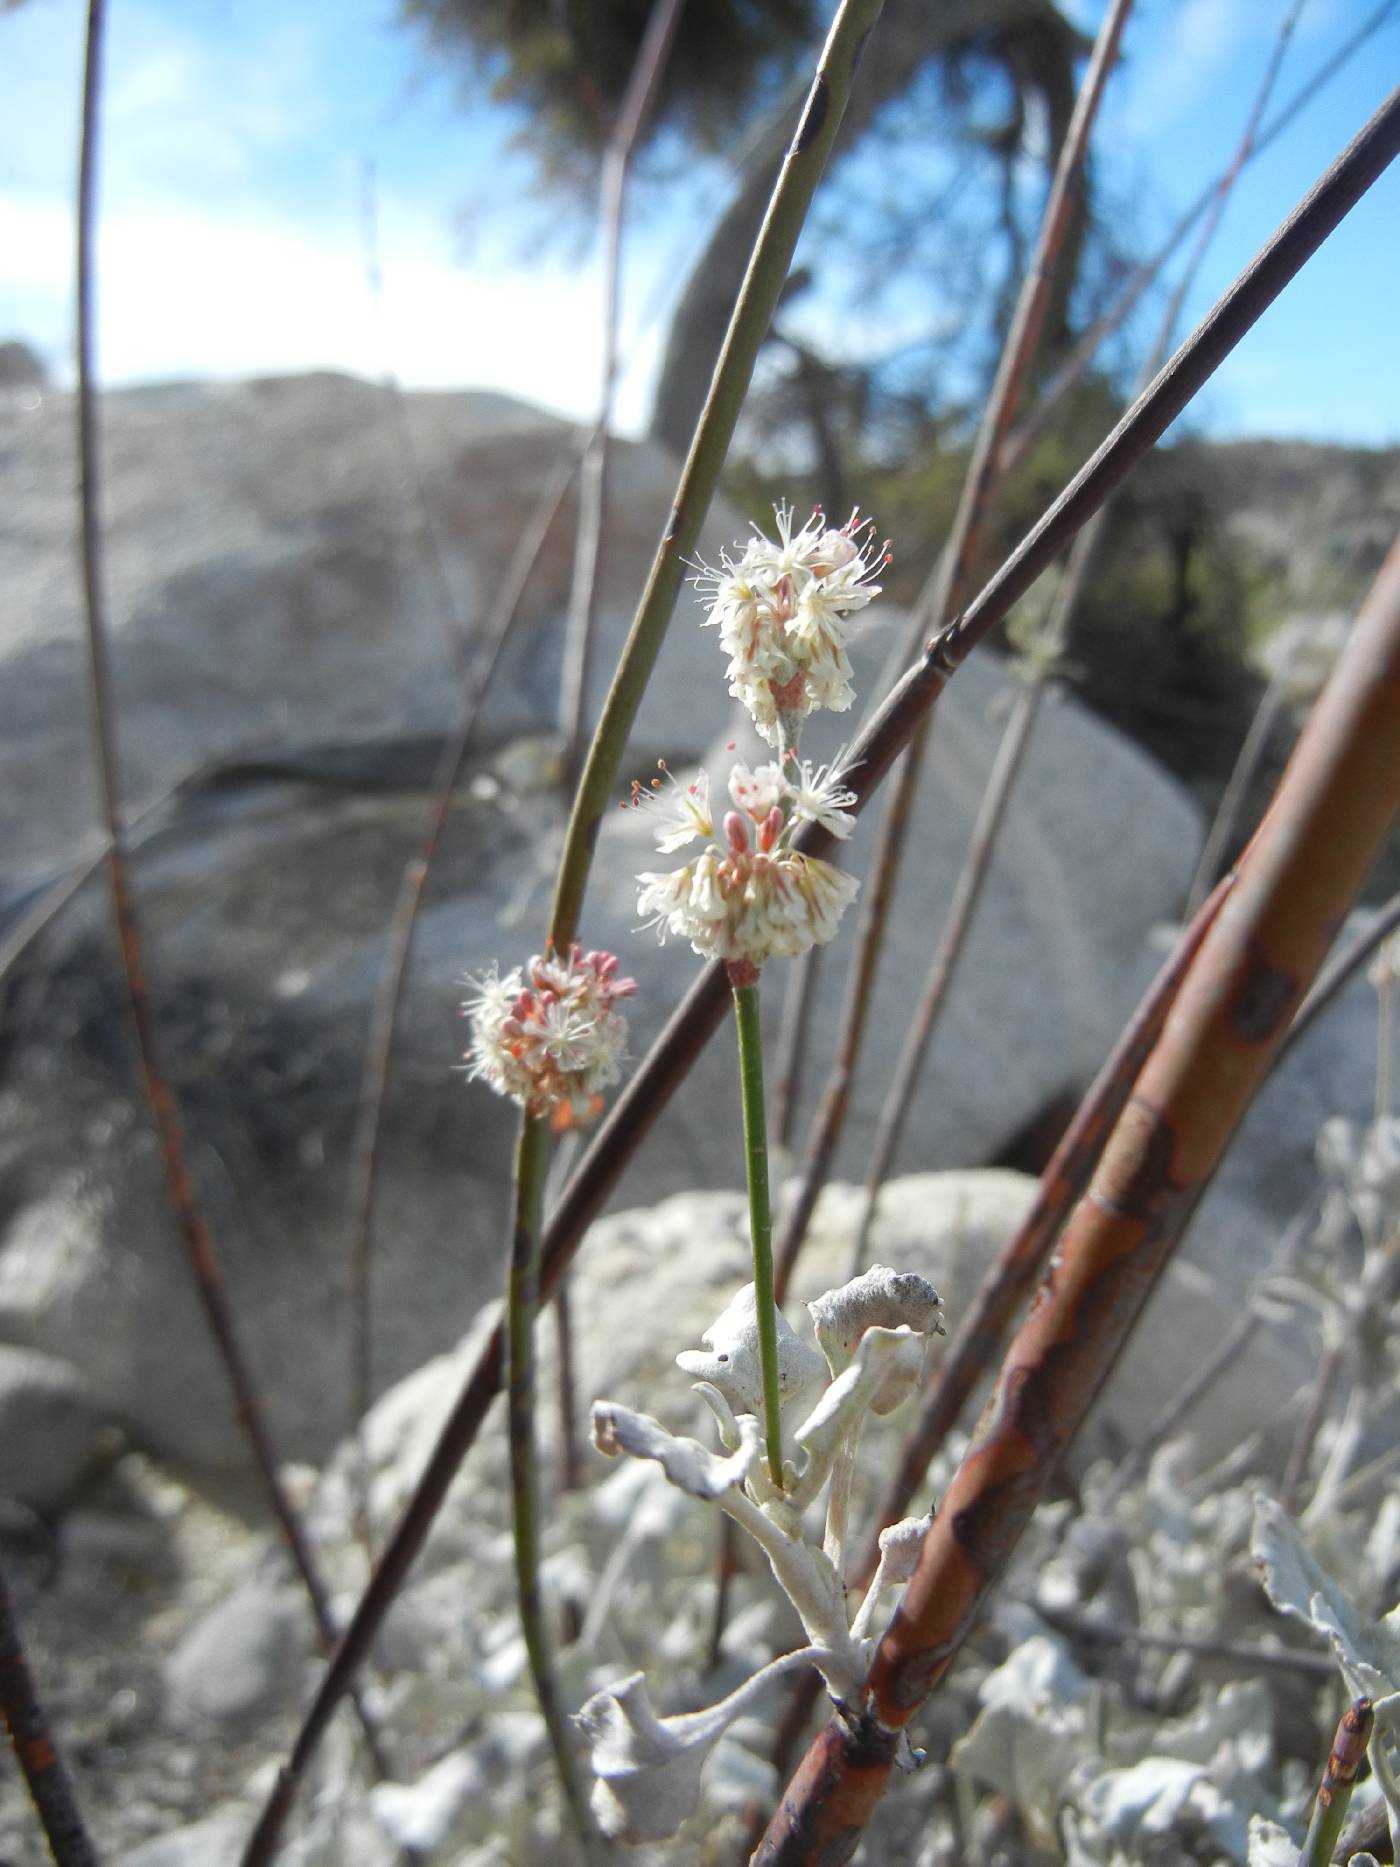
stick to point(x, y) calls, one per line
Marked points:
point(819, 795)
point(685, 808)
point(780, 611)
point(758, 792)
point(754, 897)
point(551, 1037)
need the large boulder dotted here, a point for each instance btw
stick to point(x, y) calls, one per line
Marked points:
point(273, 613)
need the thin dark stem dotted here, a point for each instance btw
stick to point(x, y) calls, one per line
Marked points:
point(1329, 1366)
point(388, 1005)
point(1073, 369)
point(194, 1231)
point(580, 627)
point(700, 1013)
point(948, 588)
point(750, 1032)
point(140, 824)
point(36, 1750)
point(961, 910)
point(794, 1037)
point(1342, 968)
point(522, 1308)
point(1227, 815)
point(449, 619)
point(726, 1568)
point(1234, 1652)
point(825, 1132)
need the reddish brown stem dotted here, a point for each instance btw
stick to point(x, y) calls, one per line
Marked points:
point(1062, 1185)
point(1336, 805)
point(1009, 1278)
point(961, 909)
point(194, 1232)
point(947, 590)
point(388, 1005)
point(593, 488)
point(36, 1751)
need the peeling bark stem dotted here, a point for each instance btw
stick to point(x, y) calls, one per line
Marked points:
point(743, 979)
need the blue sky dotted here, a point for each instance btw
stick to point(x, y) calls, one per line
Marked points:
point(238, 132)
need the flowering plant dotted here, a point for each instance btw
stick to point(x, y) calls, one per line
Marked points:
point(752, 896)
point(781, 608)
point(550, 1037)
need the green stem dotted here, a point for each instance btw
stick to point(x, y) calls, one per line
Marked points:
point(522, 1306)
point(746, 1019)
point(758, 297)
point(1334, 1795)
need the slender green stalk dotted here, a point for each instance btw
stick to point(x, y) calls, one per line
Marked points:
point(1338, 1781)
point(522, 1306)
point(746, 1020)
point(768, 270)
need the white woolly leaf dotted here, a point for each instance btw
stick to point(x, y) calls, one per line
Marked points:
point(1368, 1651)
point(900, 1545)
point(648, 1768)
point(688, 1464)
point(729, 1359)
point(884, 1358)
point(1029, 1735)
point(421, 1815)
point(1272, 1846)
point(723, 1412)
point(879, 1298)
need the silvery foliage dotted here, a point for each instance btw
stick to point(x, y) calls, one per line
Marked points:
point(1072, 1729)
point(1093, 1771)
point(1366, 1648)
point(875, 1334)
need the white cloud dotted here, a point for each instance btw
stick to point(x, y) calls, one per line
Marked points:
point(186, 291)
point(217, 255)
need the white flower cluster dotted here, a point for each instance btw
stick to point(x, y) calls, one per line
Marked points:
point(753, 896)
point(781, 611)
point(551, 1037)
